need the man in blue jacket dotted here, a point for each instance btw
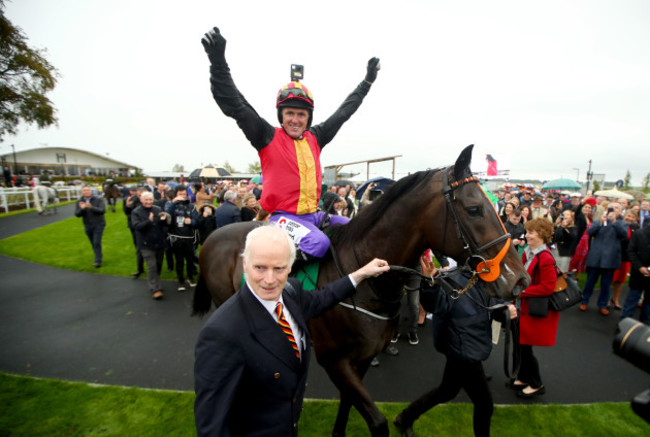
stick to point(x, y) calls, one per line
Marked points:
point(227, 212)
point(604, 257)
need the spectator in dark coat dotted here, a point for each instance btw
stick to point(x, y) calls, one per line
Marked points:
point(250, 208)
point(181, 235)
point(566, 239)
point(604, 258)
point(150, 225)
point(131, 202)
point(227, 212)
point(638, 252)
point(463, 333)
point(205, 222)
point(516, 229)
point(91, 209)
point(7, 175)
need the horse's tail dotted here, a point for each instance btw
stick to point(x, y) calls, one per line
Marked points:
point(202, 301)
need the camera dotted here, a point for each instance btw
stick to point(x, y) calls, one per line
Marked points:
point(610, 209)
point(632, 342)
point(297, 72)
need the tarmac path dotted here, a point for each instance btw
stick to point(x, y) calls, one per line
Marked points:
point(104, 329)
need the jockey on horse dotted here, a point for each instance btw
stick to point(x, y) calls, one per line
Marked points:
point(289, 155)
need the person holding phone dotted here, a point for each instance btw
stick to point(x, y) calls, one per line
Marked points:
point(603, 258)
point(290, 154)
point(565, 238)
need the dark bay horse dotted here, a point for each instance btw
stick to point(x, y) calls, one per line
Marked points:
point(111, 193)
point(445, 209)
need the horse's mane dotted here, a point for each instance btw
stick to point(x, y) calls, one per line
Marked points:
point(369, 215)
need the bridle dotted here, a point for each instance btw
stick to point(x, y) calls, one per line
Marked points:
point(486, 269)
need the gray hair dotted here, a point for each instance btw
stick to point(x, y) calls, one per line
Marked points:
point(277, 235)
point(230, 195)
point(147, 194)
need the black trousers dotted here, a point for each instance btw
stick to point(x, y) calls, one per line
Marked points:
point(184, 256)
point(468, 375)
point(529, 370)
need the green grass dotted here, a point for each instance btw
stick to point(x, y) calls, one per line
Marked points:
point(64, 245)
point(46, 407)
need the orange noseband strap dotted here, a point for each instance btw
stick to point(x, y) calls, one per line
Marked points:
point(490, 270)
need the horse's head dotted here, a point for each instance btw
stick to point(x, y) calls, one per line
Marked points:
point(479, 240)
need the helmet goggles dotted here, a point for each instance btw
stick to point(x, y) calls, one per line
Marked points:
point(294, 91)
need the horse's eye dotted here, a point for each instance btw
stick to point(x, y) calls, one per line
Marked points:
point(474, 210)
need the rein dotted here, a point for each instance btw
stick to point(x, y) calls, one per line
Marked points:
point(487, 270)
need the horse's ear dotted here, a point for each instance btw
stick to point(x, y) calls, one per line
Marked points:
point(461, 168)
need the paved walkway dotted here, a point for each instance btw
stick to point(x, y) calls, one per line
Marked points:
point(103, 329)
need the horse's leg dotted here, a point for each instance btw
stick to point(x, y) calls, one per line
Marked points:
point(349, 381)
point(342, 416)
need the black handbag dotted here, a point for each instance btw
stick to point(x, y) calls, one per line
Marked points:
point(565, 296)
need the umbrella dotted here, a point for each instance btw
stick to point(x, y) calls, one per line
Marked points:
point(171, 184)
point(257, 179)
point(344, 182)
point(637, 194)
point(209, 171)
point(380, 182)
point(561, 184)
point(614, 193)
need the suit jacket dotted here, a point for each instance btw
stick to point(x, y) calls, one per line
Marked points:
point(638, 252)
point(605, 246)
point(248, 381)
point(94, 215)
point(226, 214)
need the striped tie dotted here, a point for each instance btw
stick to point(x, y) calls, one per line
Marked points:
point(286, 328)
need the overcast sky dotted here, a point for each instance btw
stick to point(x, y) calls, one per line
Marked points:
point(542, 86)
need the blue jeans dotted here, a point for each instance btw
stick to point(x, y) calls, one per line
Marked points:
point(630, 305)
point(94, 234)
point(606, 276)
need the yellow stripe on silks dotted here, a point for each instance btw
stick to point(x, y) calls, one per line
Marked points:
point(307, 202)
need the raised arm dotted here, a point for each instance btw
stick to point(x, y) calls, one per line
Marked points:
point(233, 104)
point(326, 131)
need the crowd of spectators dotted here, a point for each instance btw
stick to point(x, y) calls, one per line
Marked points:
point(590, 234)
point(170, 224)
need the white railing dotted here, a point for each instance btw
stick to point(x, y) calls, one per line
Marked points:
point(23, 196)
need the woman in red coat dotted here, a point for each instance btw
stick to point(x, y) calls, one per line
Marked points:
point(536, 331)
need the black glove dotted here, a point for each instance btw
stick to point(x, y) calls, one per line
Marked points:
point(373, 68)
point(215, 46)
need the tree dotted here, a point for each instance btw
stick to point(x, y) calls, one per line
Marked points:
point(178, 168)
point(255, 167)
point(596, 186)
point(229, 167)
point(626, 181)
point(646, 181)
point(25, 77)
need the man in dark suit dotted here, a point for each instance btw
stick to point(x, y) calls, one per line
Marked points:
point(250, 370)
point(638, 251)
